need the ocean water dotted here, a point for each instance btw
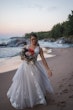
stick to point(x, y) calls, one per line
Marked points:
point(9, 52)
point(14, 51)
point(54, 44)
point(3, 40)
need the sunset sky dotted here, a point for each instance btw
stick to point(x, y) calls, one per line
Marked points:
point(18, 17)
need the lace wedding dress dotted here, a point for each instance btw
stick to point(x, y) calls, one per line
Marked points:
point(29, 85)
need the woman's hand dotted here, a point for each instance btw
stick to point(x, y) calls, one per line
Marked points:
point(49, 73)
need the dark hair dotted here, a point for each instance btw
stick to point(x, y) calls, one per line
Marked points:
point(34, 35)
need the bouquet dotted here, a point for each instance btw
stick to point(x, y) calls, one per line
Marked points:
point(28, 55)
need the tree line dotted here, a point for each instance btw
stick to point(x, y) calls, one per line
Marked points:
point(59, 30)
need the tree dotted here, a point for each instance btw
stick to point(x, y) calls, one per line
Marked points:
point(64, 29)
point(70, 18)
point(57, 31)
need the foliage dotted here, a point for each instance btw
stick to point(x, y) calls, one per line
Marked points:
point(64, 29)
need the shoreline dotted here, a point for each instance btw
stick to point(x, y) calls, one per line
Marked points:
point(11, 63)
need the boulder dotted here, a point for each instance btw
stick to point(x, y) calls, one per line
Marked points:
point(17, 41)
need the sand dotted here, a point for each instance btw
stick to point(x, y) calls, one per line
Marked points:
point(61, 80)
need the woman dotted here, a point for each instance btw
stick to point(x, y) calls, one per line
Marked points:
point(31, 81)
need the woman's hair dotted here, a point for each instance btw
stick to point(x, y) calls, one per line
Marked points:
point(34, 35)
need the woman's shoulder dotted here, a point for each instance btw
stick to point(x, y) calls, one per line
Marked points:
point(39, 47)
point(40, 50)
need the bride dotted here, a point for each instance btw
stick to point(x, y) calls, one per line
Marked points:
point(31, 82)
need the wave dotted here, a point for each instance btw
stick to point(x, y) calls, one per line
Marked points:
point(14, 51)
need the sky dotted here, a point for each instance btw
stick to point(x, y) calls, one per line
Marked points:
point(18, 17)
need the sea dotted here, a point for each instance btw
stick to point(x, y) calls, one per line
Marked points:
point(6, 52)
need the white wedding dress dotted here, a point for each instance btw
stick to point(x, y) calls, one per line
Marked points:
point(29, 85)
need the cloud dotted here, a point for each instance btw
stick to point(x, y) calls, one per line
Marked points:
point(53, 8)
point(42, 7)
point(38, 6)
point(35, 6)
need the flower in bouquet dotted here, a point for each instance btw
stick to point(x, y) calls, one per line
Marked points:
point(28, 55)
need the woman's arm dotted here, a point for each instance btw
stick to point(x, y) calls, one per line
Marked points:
point(45, 63)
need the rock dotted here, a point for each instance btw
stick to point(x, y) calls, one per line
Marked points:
point(64, 40)
point(60, 40)
point(49, 39)
point(3, 45)
point(17, 41)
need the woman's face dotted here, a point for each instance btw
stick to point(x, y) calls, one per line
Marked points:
point(33, 40)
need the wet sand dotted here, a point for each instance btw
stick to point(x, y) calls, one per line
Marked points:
point(9, 64)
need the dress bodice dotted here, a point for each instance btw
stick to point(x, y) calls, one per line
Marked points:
point(36, 50)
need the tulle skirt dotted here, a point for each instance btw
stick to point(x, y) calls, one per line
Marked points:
point(29, 86)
